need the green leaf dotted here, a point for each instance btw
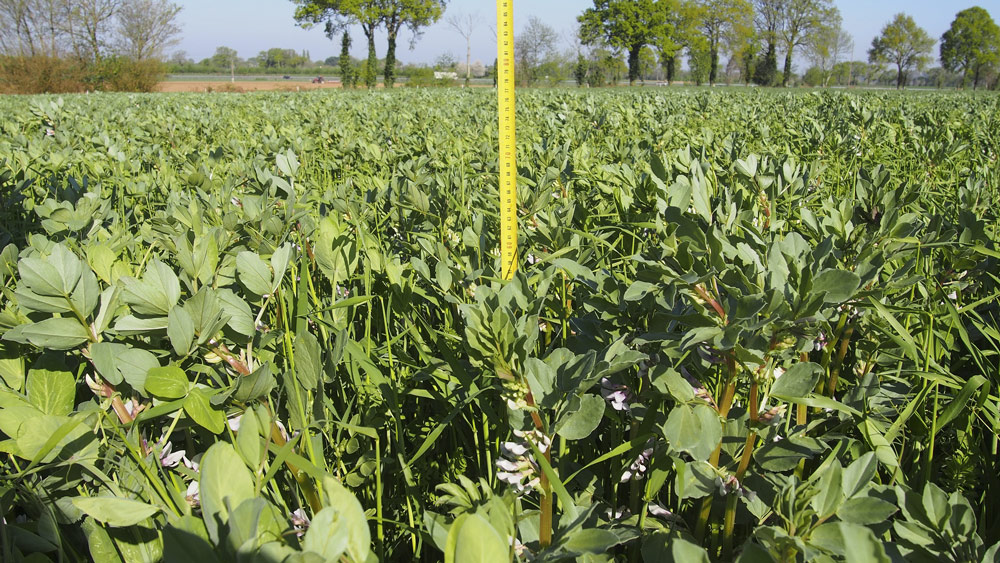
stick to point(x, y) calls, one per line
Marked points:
point(198, 407)
point(936, 505)
point(55, 275)
point(279, 262)
point(156, 294)
point(254, 273)
point(256, 385)
point(105, 358)
point(581, 416)
point(240, 317)
point(223, 481)
point(99, 543)
point(591, 540)
point(695, 479)
point(786, 454)
point(829, 494)
point(326, 537)
point(669, 381)
point(350, 517)
point(798, 381)
point(671, 547)
point(248, 439)
point(308, 360)
point(859, 474)
point(850, 541)
point(130, 325)
point(472, 539)
point(52, 391)
point(638, 290)
point(696, 430)
point(866, 510)
point(56, 333)
point(134, 364)
point(838, 285)
point(115, 511)
point(168, 382)
point(180, 330)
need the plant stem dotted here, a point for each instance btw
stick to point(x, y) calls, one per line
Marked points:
point(730, 518)
point(845, 341)
point(727, 402)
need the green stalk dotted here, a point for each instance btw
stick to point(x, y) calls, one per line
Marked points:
point(845, 341)
point(724, 406)
point(730, 518)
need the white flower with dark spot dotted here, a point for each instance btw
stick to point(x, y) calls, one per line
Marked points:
point(617, 395)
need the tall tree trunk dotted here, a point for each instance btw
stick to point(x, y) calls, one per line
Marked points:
point(788, 68)
point(372, 59)
point(671, 69)
point(713, 65)
point(975, 77)
point(390, 59)
point(633, 64)
point(900, 77)
point(468, 60)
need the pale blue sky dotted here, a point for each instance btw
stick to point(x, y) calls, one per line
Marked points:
point(250, 26)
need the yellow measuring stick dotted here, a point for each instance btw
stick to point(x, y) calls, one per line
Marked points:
point(508, 166)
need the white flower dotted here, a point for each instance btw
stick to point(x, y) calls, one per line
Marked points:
point(617, 395)
point(192, 495)
point(300, 522)
point(637, 470)
point(170, 458)
point(234, 422)
point(618, 514)
point(778, 372)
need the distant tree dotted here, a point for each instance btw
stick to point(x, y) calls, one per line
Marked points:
point(800, 20)
point(768, 24)
point(535, 45)
point(371, 15)
point(826, 47)
point(413, 14)
point(647, 63)
point(226, 57)
point(903, 43)
point(971, 45)
point(580, 69)
point(465, 25)
point(629, 25)
point(700, 62)
point(445, 61)
point(680, 30)
point(344, 61)
point(722, 22)
point(146, 28)
point(337, 15)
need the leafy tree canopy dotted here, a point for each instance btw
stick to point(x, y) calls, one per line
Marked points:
point(971, 44)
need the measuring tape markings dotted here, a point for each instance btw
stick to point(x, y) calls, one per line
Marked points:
point(508, 166)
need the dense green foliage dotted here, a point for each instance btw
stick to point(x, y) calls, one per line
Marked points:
point(971, 45)
point(750, 326)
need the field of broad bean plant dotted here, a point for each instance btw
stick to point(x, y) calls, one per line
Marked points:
point(748, 326)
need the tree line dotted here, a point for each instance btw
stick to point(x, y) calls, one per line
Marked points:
point(89, 43)
point(761, 38)
point(755, 32)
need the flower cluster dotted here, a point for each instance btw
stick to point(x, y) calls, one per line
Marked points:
point(514, 392)
point(300, 522)
point(773, 415)
point(729, 484)
point(616, 394)
point(516, 466)
point(637, 469)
